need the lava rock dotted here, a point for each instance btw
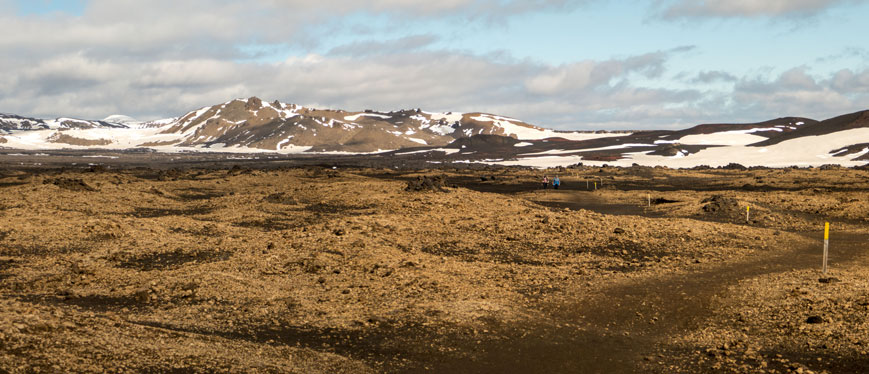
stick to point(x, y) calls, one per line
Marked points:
point(427, 183)
point(734, 166)
point(73, 184)
point(718, 204)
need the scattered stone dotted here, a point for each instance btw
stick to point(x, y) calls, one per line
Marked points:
point(142, 295)
point(718, 204)
point(72, 184)
point(814, 320)
point(427, 183)
point(734, 166)
point(278, 198)
point(312, 266)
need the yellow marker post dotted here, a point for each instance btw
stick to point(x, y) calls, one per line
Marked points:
point(826, 245)
point(595, 185)
point(747, 210)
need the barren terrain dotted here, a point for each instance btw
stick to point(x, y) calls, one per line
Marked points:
point(311, 269)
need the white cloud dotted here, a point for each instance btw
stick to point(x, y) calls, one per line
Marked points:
point(440, 80)
point(589, 94)
point(846, 81)
point(746, 8)
point(583, 75)
point(372, 47)
point(796, 92)
point(163, 58)
point(713, 76)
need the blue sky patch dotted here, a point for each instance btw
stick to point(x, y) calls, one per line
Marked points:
point(45, 7)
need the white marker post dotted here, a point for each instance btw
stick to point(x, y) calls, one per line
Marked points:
point(586, 184)
point(826, 245)
point(650, 200)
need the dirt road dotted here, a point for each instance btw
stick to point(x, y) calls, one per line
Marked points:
point(624, 326)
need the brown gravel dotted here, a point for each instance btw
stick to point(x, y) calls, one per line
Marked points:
point(320, 270)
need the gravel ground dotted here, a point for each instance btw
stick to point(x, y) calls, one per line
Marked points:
point(320, 270)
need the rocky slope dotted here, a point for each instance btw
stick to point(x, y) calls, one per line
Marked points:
point(253, 123)
point(849, 121)
point(780, 142)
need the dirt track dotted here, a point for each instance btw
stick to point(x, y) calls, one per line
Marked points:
point(320, 270)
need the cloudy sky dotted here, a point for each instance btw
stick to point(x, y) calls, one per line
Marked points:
point(565, 64)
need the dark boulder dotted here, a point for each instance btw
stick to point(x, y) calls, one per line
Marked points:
point(427, 183)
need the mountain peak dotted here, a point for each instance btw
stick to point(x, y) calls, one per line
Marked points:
point(254, 103)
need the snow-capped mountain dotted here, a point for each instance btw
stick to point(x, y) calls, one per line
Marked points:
point(11, 122)
point(781, 142)
point(252, 125)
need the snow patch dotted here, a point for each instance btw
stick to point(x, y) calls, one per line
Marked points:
point(739, 137)
point(535, 133)
point(282, 142)
point(448, 151)
point(805, 151)
point(568, 151)
point(356, 116)
point(448, 117)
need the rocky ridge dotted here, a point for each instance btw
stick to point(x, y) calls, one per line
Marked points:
point(257, 124)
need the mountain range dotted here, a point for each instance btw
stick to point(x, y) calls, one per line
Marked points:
point(253, 126)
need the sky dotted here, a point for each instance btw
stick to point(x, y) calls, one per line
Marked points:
point(561, 64)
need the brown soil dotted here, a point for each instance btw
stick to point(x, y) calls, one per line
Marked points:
point(158, 143)
point(69, 139)
point(347, 270)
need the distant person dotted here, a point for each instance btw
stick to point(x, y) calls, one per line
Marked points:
point(556, 182)
point(545, 182)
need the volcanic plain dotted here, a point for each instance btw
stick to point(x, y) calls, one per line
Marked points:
point(341, 269)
